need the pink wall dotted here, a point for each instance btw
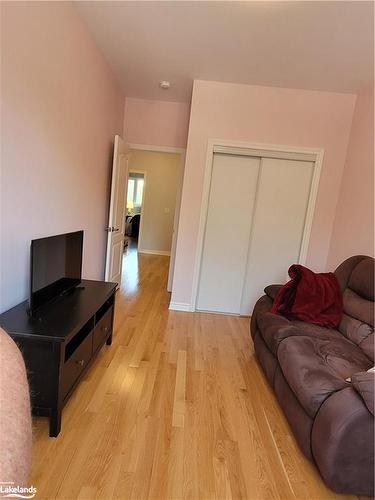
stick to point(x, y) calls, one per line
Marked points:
point(353, 230)
point(61, 107)
point(157, 123)
point(262, 115)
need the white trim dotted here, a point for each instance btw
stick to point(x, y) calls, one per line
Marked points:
point(218, 144)
point(265, 153)
point(181, 306)
point(223, 313)
point(311, 206)
point(161, 149)
point(154, 252)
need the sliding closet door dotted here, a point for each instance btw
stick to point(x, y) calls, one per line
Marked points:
point(279, 220)
point(225, 247)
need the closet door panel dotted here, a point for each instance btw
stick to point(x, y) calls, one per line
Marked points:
point(225, 247)
point(279, 220)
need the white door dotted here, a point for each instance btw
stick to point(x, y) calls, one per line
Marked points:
point(226, 240)
point(254, 229)
point(278, 226)
point(116, 221)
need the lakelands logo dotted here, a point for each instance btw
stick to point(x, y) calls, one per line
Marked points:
point(8, 490)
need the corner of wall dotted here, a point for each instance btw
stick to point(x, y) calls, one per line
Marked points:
point(329, 264)
point(355, 203)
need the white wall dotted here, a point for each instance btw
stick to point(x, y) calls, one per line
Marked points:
point(162, 175)
point(61, 107)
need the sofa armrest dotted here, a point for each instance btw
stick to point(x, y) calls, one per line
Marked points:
point(262, 306)
point(342, 443)
point(364, 384)
point(272, 290)
point(15, 416)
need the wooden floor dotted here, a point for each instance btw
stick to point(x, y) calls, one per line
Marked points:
point(176, 408)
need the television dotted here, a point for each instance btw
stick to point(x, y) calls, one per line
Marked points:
point(56, 267)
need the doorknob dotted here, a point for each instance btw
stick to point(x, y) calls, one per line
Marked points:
point(115, 229)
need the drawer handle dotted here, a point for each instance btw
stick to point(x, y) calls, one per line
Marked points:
point(80, 362)
point(105, 329)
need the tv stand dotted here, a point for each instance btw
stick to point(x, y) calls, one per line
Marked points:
point(70, 291)
point(60, 343)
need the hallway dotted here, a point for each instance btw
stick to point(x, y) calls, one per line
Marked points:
point(176, 408)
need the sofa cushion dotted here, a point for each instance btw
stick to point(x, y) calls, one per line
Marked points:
point(345, 269)
point(354, 329)
point(364, 384)
point(358, 332)
point(316, 330)
point(361, 280)
point(368, 346)
point(272, 290)
point(315, 367)
point(275, 328)
point(358, 307)
point(356, 277)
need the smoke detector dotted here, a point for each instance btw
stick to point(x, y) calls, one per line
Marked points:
point(164, 84)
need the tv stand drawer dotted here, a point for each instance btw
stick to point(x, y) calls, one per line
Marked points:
point(103, 329)
point(77, 362)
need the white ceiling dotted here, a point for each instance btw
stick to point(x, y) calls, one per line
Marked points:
point(319, 45)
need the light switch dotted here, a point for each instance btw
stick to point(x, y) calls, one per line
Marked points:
point(166, 210)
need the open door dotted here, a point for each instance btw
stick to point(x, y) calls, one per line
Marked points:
point(116, 222)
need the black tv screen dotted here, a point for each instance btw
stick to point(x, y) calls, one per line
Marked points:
point(56, 267)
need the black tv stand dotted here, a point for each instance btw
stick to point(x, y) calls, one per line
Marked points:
point(60, 343)
point(70, 291)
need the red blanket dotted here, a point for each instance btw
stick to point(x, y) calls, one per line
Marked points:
point(311, 297)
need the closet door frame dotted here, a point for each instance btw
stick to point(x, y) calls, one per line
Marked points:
point(314, 155)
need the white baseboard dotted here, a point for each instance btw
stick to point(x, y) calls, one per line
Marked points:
point(181, 306)
point(154, 252)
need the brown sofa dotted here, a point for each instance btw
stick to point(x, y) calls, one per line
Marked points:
point(307, 366)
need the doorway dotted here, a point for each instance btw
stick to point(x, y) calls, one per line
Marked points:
point(134, 208)
point(152, 206)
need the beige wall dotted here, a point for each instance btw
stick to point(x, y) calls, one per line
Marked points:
point(353, 230)
point(270, 115)
point(61, 107)
point(162, 176)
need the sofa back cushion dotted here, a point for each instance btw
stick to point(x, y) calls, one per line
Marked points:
point(356, 278)
point(361, 279)
point(363, 383)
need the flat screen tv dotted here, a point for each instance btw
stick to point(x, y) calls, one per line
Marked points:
point(56, 267)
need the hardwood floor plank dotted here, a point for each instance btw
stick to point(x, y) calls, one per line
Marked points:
point(179, 393)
